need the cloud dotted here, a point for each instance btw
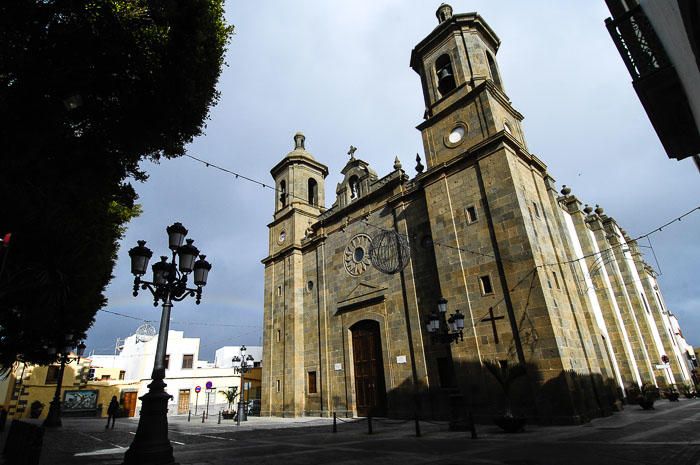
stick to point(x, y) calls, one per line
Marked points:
point(339, 72)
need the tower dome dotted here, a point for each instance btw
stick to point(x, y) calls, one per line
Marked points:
point(299, 149)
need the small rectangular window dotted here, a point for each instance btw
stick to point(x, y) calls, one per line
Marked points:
point(279, 335)
point(167, 362)
point(52, 374)
point(105, 378)
point(312, 382)
point(556, 279)
point(646, 305)
point(122, 374)
point(278, 385)
point(486, 287)
point(471, 214)
point(187, 361)
point(536, 208)
point(658, 297)
point(279, 290)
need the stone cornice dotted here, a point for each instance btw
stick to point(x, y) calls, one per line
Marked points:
point(300, 160)
point(475, 93)
point(446, 28)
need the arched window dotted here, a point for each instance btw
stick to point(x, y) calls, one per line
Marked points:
point(313, 192)
point(354, 184)
point(445, 76)
point(283, 193)
point(494, 71)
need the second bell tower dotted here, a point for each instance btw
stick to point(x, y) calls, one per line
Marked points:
point(465, 101)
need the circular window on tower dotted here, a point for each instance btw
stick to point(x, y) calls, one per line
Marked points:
point(282, 236)
point(456, 135)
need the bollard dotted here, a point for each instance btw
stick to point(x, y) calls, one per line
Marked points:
point(189, 414)
point(219, 420)
point(417, 427)
point(369, 424)
point(473, 425)
point(335, 425)
point(202, 417)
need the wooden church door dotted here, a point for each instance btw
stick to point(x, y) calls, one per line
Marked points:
point(370, 391)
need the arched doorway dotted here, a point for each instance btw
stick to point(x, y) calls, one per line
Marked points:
point(370, 391)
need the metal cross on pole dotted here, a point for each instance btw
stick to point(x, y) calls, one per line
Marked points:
point(493, 319)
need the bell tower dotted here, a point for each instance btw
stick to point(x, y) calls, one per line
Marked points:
point(300, 195)
point(465, 100)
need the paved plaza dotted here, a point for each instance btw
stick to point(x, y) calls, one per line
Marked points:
point(667, 435)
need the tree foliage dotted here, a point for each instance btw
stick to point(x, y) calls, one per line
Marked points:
point(88, 89)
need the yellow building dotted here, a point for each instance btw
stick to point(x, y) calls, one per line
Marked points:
point(80, 395)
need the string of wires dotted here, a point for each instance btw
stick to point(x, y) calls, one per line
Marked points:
point(190, 323)
point(439, 244)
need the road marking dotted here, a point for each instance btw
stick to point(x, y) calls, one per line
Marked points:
point(116, 450)
point(91, 436)
point(176, 442)
point(217, 437)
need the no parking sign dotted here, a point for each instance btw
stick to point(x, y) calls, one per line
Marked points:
point(197, 389)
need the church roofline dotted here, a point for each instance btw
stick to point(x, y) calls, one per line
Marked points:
point(299, 159)
point(445, 28)
point(392, 179)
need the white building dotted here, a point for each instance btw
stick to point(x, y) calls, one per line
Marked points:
point(223, 357)
point(184, 371)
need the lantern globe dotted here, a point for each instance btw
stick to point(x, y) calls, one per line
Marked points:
point(139, 258)
point(161, 271)
point(187, 253)
point(442, 305)
point(176, 235)
point(434, 322)
point(451, 324)
point(201, 271)
point(459, 320)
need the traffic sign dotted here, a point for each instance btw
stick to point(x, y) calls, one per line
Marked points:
point(197, 389)
point(209, 384)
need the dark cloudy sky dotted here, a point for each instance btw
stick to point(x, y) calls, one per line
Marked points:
point(339, 72)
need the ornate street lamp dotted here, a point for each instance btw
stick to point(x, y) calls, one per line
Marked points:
point(151, 444)
point(242, 368)
point(445, 330)
point(53, 418)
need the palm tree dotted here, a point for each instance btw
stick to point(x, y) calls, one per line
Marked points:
point(505, 376)
point(231, 396)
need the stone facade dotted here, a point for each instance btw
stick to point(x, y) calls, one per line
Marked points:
point(541, 281)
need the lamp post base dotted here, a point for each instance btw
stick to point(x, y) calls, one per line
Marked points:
point(53, 418)
point(242, 414)
point(151, 445)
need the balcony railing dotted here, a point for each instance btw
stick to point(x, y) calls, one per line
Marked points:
point(637, 42)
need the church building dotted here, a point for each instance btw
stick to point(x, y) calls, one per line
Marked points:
point(413, 295)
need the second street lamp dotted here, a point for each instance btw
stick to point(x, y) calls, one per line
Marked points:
point(242, 368)
point(445, 330)
point(53, 418)
point(151, 443)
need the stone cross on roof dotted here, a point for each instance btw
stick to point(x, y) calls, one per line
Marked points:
point(352, 151)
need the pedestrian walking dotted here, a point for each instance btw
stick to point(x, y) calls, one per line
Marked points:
point(112, 411)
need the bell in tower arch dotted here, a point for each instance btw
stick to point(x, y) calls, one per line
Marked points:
point(446, 79)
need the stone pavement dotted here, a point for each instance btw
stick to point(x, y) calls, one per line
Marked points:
point(667, 435)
